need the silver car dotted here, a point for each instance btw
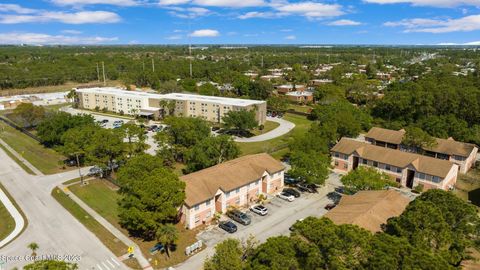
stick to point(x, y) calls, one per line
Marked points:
point(259, 209)
point(286, 196)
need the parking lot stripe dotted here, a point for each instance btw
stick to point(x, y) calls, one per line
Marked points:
point(115, 261)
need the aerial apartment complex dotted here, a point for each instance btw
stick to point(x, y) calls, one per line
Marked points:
point(407, 169)
point(234, 183)
point(151, 105)
point(460, 153)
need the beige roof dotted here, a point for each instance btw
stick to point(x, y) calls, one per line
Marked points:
point(444, 146)
point(368, 209)
point(386, 135)
point(397, 158)
point(227, 176)
point(452, 147)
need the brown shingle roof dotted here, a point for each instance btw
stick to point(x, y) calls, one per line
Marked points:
point(386, 135)
point(368, 209)
point(444, 146)
point(227, 176)
point(397, 158)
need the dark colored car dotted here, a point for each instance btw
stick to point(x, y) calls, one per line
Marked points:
point(228, 226)
point(157, 247)
point(330, 206)
point(334, 196)
point(304, 187)
point(292, 191)
point(239, 217)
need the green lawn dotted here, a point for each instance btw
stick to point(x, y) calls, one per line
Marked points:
point(278, 146)
point(269, 126)
point(300, 108)
point(468, 186)
point(7, 223)
point(46, 160)
point(101, 196)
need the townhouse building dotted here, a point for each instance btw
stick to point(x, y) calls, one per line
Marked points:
point(235, 183)
point(460, 153)
point(126, 102)
point(407, 169)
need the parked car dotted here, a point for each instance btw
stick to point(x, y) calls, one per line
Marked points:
point(330, 206)
point(292, 191)
point(259, 209)
point(239, 217)
point(304, 187)
point(286, 196)
point(104, 121)
point(157, 247)
point(334, 196)
point(228, 226)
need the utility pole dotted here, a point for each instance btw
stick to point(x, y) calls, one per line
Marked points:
point(104, 78)
point(98, 73)
point(190, 57)
point(153, 65)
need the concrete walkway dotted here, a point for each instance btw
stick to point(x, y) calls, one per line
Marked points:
point(19, 157)
point(17, 217)
point(117, 233)
point(284, 128)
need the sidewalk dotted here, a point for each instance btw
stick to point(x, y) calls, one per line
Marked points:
point(19, 157)
point(118, 234)
point(19, 221)
point(284, 128)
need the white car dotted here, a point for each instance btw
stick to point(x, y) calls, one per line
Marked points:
point(259, 209)
point(286, 196)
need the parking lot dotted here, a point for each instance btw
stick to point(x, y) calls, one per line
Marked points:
point(281, 215)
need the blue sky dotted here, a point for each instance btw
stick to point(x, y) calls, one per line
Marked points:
point(240, 22)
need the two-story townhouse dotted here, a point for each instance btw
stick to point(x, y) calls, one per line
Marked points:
point(408, 169)
point(460, 153)
point(235, 183)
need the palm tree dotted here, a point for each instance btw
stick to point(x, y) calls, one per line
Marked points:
point(167, 235)
point(33, 246)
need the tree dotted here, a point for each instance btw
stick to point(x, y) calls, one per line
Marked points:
point(228, 256)
point(51, 265)
point(371, 71)
point(276, 253)
point(33, 247)
point(208, 89)
point(106, 148)
point(366, 178)
point(167, 107)
point(211, 151)
point(329, 93)
point(417, 139)
point(311, 166)
point(439, 222)
point(137, 167)
point(170, 86)
point(151, 201)
point(28, 115)
point(136, 137)
point(167, 235)
point(260, 90)
point(52, 128)
point(241, 121)
point(277, 104)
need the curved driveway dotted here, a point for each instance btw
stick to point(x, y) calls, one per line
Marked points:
point(17, 217)
point(284, 128)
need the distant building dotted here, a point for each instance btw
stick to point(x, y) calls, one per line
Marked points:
point(460, 153)
point(369, 209)
point(209, 108)
point(407, 169)
point(300, 96)
point(235, 183)
point(317, 82)
point(286, 88)
point(40, 99)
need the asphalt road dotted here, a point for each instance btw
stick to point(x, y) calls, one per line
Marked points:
point(54, 229)
point(281, 216)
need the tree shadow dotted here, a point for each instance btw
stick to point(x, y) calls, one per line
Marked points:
point(474, 196)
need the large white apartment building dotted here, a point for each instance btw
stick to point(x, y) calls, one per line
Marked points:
point(149, 104)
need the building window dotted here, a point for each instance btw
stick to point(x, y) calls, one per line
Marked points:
point(345, 166)
point(387, 167)
point(399, 170)
point(208, 203)
point(337, 154)
point(436, 179)
point(336, 163)
point(197, 207)
point(228, 194)
point(375, 164)
point(421, 175)
point(345, 157)
point(237, 190)
point(364, 161)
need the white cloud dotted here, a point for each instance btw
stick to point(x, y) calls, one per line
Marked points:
point(46, 39)
point(173, 2)
point(311, 10)
point(344, 23)
point(81, 17)
point(433, 3)
point(15, 8)
point(205, 33)
point(263, 15)
point(472, 43)
point(174, 37)
point(125, 3)
point(464, 24)
point(291, 37)
point(191, 12)
point(229, 3)
point(72, 32)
